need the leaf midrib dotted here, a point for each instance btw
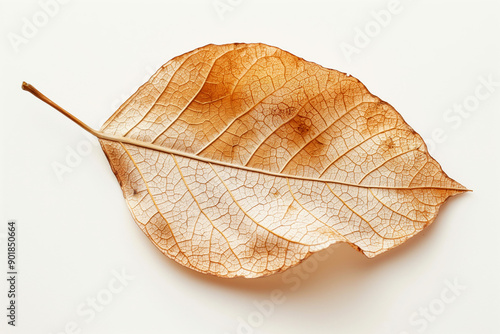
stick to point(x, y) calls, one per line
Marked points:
point(125, 140)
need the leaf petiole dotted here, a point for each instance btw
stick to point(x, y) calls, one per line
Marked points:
point(29, 88)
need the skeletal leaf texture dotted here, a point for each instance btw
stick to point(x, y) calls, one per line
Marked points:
point(243, 160)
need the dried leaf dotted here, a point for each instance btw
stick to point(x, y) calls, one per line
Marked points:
point(243, 159)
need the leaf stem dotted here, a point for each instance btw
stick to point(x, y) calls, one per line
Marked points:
point(29, 88)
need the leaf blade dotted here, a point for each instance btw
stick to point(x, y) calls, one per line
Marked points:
point(314, 134)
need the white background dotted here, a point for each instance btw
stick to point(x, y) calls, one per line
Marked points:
point(75, 230)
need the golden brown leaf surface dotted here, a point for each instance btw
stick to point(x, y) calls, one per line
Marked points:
point(258, 158)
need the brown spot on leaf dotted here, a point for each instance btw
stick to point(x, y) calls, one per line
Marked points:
point(302, 125)
point(291, 208)
point(283, 110)
point(389, 143)
point(317, 148)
